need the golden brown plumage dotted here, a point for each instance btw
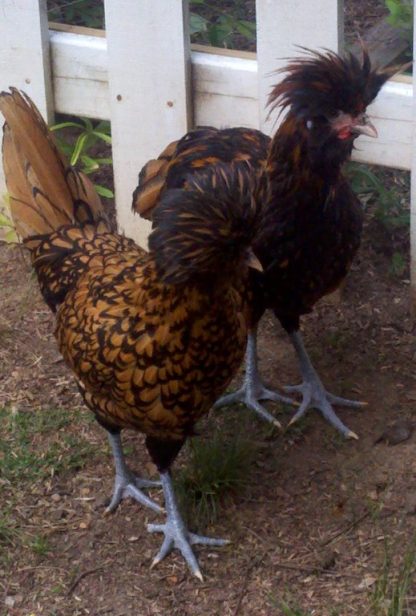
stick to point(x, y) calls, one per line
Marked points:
point(152, 338)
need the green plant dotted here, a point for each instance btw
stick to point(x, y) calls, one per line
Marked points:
point(8, 234)
point(401, 16)
point(284, 607)
point(390, 596)
point(398, 264)
point(390, 210)
point(39, 545)
point(89, 13)
point(78, 149)
point(212, 25)
point(216, 469)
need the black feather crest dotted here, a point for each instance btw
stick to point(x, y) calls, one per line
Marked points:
point(324, 83)
point(204, 230)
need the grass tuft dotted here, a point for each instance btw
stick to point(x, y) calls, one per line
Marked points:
point(390, 596)
point(217, 468)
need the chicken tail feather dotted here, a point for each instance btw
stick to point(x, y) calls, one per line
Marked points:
point(45, 192)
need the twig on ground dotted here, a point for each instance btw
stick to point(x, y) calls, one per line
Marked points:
point(345, 530)
point(83, 575)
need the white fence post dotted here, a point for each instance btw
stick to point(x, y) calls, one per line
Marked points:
point(24, 54)
point(283, 24)
point(148, 64)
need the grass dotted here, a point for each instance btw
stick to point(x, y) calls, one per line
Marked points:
point(390, 596)
point(287, 607)
point(7, 530)
point(34, 444)
point(39, 545)
point(216, 469)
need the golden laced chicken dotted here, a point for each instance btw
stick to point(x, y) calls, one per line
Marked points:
point(152, 338)
point(314, 220)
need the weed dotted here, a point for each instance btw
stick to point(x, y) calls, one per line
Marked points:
point(285, 609)
point(79, 150)
point(216, 469)
point(77, 12)
point(39, 545)
point(401, 16)
point(390, 596)
point(8, 233)
point(398, 265)
point(390, 210)
point(210, 24)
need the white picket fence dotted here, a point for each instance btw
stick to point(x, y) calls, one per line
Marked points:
point(143, 75)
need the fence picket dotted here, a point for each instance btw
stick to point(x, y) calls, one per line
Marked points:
point(148, 62)
point(284, 24)
point(24, 54)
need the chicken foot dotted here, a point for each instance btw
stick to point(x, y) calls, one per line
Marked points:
point(176, 534)
point(253, 389)
point(314, 393)
point(127, 484)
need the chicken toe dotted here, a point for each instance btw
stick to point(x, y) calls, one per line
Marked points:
point(314, 394)
point(176, 534)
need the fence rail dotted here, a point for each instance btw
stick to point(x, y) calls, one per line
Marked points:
point(143, 75)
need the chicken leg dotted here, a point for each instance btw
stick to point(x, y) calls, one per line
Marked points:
point(253, 389)
point(176, 533)
point(314, 393)
point(125, 483)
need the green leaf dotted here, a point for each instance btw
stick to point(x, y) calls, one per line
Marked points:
point(102, 136)
point(104, 127)
point(11, 237)
point(103, 191)
point(88, 125)
point(66, 125)
point(197, 24)
point(4, 221)
point(91, 163)
point(79, 146)
point(104, 161)
point(246, 28)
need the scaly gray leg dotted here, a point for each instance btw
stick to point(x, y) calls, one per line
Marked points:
point(176, 534)
point(127, 484)
point(253, 389)
point(314, 393)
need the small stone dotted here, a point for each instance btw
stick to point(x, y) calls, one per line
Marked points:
point(398, 432)
point(367, 582)
point(56, 498)
point(9, 601)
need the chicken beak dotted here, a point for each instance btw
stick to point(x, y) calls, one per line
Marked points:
point(252, 261)
point(364, 127)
